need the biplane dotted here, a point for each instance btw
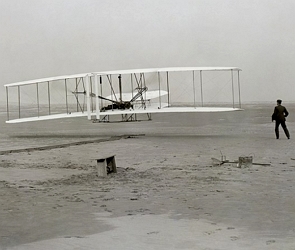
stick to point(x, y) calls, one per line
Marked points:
point(125, 94)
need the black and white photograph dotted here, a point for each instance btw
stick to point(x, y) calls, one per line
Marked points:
point(144, 124)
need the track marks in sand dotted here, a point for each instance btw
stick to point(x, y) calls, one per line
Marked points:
point(191, 191)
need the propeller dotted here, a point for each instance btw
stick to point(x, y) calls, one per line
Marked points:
point(115, 104)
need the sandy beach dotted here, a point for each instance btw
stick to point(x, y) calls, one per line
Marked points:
point(179, 93)
point(168, 193)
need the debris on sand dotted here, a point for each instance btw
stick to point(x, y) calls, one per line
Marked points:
point(242, 162)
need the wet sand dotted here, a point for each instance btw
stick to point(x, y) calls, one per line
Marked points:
point(167, 193)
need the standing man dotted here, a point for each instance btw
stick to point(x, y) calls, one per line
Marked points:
point(279, 115)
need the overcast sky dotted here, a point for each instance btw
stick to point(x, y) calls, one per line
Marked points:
point(43, 38)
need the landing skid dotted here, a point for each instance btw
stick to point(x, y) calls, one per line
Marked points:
point(124, 118)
